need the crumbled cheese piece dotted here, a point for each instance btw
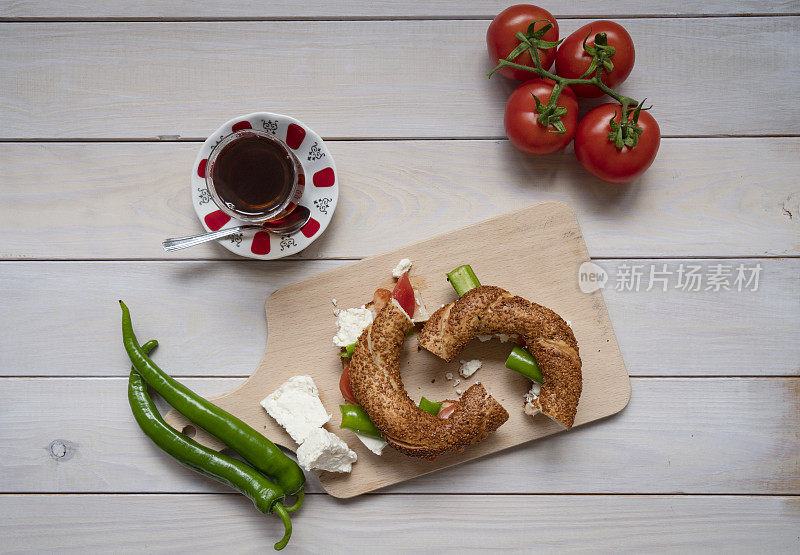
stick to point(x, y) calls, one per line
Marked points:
point(533, 394)
point(323, 450)
point(350, 324)
point(469, 367)
point(569, 323)
point(501, 336)
point(373, 444)
point(458, 391)
point(402, 267)
point(295, 405)
point(449, 375)
point(333, 302)
point(455, 383)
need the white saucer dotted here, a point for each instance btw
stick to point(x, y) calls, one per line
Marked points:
point(320, 195)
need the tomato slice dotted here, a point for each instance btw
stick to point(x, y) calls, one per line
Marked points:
point(445, 412)
point(344, 386)
point(404, 294)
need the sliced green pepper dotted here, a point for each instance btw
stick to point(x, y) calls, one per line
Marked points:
point(430, 406)
point(463, 279)
point(355, 418)
point(348, 351)
point(520, 360)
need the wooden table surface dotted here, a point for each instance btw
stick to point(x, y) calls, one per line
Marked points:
point(103, 106)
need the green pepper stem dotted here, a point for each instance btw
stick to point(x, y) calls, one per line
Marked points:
point(463, 279)
point(279, 510)
point(298, 502)
point(520, 360)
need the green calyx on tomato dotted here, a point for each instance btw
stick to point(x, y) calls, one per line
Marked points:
point(601, 53)
point(551, 113)
point(627, 131)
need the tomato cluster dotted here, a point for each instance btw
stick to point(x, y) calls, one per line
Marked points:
point(598, 145)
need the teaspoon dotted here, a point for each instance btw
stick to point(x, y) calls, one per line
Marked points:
point(289, 224)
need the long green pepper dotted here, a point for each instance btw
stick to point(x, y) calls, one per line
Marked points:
point(251, 445)
point(265, 494)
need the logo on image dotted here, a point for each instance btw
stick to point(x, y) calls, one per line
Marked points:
point(591, 277)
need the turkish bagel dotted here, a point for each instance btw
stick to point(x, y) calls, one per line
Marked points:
point(377, 385)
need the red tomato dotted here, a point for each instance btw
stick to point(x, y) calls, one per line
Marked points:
point(404, 294)
point(572, 60)
point(524, 131)
point(446, 411)
point(602, 158)
point(344, 386)
point(501, 39)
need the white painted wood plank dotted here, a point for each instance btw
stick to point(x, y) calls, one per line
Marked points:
point(702, 197)
point(342, 9)
point(372, 78)
point(678, 435)
point(229, 523)
point(210, 317)
point(72, 309)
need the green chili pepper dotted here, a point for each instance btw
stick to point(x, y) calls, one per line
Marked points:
point(520, 360)
point(463, 279)
point(430, 406)
point(348, 351)
point(256, 449)
point(265, 494)
point(355, 418)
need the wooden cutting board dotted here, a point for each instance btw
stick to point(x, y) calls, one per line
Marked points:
point(534, 252)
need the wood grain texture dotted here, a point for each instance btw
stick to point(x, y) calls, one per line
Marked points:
point(384, 78)
point(678, 435)
point(77, 523)
point(209, 317)
point(702, 197)
point(344, 9)
point(298, 316)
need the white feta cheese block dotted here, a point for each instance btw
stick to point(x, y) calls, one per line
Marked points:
point(323, 450)
point(350, 323)
point(296, 406)
point(469, 367)
point(373, 444)
point(402, 267)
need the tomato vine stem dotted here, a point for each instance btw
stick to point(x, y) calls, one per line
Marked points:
point(549, 114)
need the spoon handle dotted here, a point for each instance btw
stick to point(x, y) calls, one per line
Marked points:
point(177, 243)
